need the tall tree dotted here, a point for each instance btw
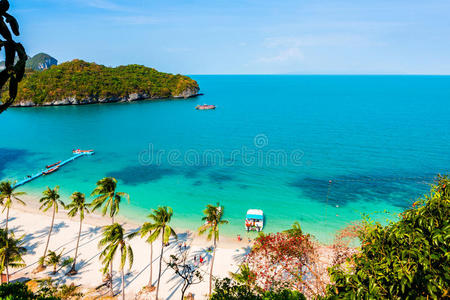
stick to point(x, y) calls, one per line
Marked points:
point(213, 220)
point(51, 199)
point(108, 197)
point(114, 238)
point(147, 229)
point(11, 251)
point(78, 206)
point(7, 195)
point(160, 225)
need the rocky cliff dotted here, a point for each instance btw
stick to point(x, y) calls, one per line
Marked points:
point(188, 93)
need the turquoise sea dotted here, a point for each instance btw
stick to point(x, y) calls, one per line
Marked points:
point(274, 143)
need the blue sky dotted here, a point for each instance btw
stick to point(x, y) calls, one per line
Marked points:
point(244, 37)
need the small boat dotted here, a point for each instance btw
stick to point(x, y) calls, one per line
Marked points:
point(205, 106)
point(52, 165)
point(50, 170)
point(254, 220)
point(79, 151)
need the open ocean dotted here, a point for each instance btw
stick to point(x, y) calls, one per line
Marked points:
point(274, 143)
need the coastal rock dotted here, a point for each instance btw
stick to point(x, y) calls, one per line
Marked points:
point(187, 93)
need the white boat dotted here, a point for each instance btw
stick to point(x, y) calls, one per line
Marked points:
point(254, 220)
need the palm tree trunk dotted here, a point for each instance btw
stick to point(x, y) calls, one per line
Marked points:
point(7, 218)
point(123, 285)
point(150, 282)
point(212, 265)
point(111, 290)
point(7, 273)
point(160, 263)
point(72, 270)
point(111, 268)
point(50, 232)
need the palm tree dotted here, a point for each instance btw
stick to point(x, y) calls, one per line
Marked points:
point(7, 195)
point(114, 238)
point(213, 219)
point(107, 197)
point(77, 206)
point(147, 229)
point(11, 251)
point(161, 218)
point(295, 230)
point(50, 200)
point(53, 259)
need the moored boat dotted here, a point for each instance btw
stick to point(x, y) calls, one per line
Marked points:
point(79, 151)
point(50, 170)
point(205, 107)
point(254, 220)
point(52, 165)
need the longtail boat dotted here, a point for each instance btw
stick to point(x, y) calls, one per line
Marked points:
point(52, 165)
point(205, 106)
point(50, 170)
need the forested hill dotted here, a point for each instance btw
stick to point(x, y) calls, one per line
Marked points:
point(80, 82)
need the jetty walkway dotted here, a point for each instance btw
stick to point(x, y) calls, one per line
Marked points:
point(33, 177)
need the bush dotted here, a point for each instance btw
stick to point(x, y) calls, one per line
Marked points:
point(407, 259)
point(228, 289)
point(19, 291)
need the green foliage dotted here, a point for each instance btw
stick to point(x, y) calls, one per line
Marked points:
point(19, 291)
point(51, 199)
point(107, 196)
point(78, 205)
point(56, 260)
point(11, 251)
point(161, 218)
point(81, 80)
point(213, 219)
point(38, 61)
point(14, 66)
point(113, 239)
point(295, 230)
point(227, 289)
point(50, 289)
point(408, 259)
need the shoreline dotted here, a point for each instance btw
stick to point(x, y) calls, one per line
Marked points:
point(96, 219)
point(33, 225)
point(65, 102)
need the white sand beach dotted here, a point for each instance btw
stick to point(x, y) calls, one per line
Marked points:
point(34, 224)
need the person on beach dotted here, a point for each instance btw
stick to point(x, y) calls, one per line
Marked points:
point(239, 238)
point(201, 259)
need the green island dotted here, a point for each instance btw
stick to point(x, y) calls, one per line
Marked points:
point(80, 82)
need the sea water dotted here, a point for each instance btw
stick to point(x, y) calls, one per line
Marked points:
point(321, 150)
